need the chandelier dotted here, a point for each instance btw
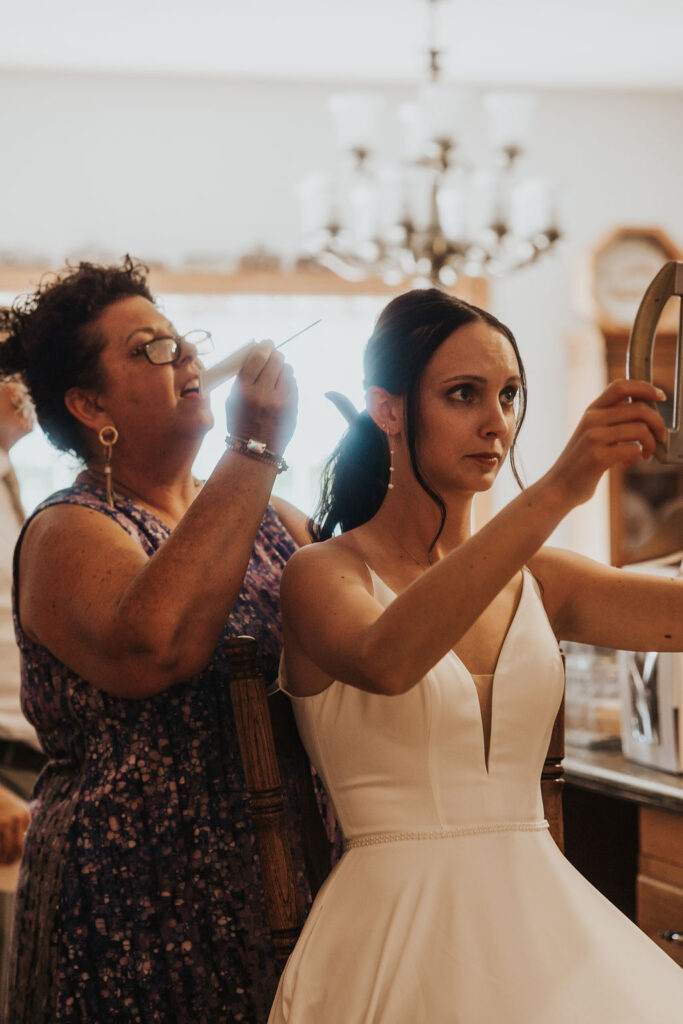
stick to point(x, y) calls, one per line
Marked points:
point(435, 214)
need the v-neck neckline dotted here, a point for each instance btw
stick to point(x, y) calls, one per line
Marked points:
point(473, 686)
point(487, 759)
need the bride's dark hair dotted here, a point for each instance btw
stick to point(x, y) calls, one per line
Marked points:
point(408, 332)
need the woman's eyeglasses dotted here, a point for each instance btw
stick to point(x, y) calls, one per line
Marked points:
point(167, 349)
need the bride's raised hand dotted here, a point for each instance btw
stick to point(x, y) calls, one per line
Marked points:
point(618, 428)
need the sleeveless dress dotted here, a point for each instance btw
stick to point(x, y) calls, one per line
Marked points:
point(452, 904)
point(139, 897)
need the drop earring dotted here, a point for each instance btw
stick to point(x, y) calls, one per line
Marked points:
point(108, 437)
point(390, 441)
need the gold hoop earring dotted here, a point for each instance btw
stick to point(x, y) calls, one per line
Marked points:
point(108, 437)
point(390, 442)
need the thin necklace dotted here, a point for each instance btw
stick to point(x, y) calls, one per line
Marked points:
point(98, 479)
point(410, 554)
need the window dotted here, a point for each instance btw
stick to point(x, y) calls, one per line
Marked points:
point(327, 358)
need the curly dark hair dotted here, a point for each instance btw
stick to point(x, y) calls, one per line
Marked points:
point(48, 340)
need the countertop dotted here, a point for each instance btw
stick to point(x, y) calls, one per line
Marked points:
point(610, 773)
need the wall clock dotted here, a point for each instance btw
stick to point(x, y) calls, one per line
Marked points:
point(624, 263)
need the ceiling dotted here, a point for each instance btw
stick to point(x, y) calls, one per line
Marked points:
point(576, 43)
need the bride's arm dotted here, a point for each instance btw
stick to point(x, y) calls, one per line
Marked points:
point(597, 604)
point(331, 617)
point(334, 629)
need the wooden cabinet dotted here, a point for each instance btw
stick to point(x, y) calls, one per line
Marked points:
point(623, 828)
point(659, 887)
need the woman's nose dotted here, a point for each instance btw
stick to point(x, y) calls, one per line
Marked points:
point(495, 423)
point(187, 352)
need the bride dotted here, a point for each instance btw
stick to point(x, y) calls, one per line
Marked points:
point(423, 665)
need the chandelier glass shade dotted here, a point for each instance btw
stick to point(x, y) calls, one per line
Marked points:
point(434, 214)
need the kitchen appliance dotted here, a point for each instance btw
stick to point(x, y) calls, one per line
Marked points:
point(652, 694)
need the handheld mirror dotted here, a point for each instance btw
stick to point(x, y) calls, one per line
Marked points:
point(666, 283)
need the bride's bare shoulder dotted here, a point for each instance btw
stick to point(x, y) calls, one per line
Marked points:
point(337, 559)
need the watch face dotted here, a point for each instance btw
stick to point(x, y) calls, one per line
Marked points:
point(623, 270)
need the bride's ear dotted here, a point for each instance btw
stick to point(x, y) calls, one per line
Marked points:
point(385, 409)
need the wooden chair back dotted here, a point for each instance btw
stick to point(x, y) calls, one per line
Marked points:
point(552, 780)
point(265, 727)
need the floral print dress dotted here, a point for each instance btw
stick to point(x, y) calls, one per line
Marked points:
point(139, 897)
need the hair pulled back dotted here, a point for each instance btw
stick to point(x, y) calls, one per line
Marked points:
point(49, 340)
point(407, 333)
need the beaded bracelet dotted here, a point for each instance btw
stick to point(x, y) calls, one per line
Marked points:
point(256, 450)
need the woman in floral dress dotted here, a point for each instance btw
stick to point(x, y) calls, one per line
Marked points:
point(139, 897)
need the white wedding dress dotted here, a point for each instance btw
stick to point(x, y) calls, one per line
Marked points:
point(452, 903)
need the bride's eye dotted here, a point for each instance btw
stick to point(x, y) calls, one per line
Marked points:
point(509, 394)
point(461, 393)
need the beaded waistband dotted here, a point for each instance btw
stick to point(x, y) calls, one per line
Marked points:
point(375, 838)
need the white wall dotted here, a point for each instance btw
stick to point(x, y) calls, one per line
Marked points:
point(169, 169)
point(617, 158)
